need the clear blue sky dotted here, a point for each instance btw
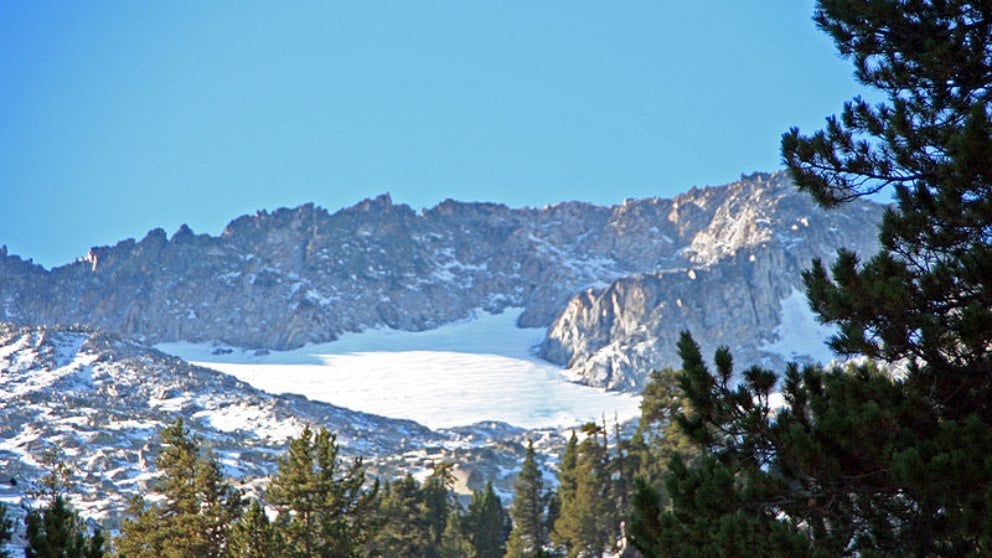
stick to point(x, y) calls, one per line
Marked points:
point(119, 117)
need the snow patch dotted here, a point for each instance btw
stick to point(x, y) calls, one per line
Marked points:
point(480, 369)
point(250, 418)
point(798, 334)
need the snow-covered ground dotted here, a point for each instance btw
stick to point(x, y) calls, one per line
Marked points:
point(799, 333)
point(481, 369)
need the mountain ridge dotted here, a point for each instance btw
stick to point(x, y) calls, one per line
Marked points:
point(281, 279)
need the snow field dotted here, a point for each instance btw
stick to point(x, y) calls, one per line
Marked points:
point(480, 369)
point(799, 333)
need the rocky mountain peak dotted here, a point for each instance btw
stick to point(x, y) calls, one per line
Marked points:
point(283, 278)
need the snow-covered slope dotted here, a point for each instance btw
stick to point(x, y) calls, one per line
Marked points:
point(104, 399)
point(475, 370)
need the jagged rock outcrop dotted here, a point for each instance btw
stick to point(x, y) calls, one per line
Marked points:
point(748, 243)
point(282, 279)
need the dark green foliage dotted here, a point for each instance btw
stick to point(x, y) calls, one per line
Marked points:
point(198, 508)
point(925, 297)
point(254, 536)
point(6, 529)
point(646, 516)
point(659, 436)
point(56, 531)
point(861, 462)
point(420, 520)
point(437, 504)
point(565, 498)
point(825, 476)
point(403, 526)
point(454, 539)
point(488, 524)
point(528, 511)
point(589, 513)
point(325, 507)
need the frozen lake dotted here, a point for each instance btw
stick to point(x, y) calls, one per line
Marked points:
point(470, 371)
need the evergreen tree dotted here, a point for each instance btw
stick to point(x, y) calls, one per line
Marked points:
point(403, 527)
point(529, 535)
point(488, 523)
point(454, 540)
point(862, 461)
point(6, 530)
point(564, 498)
point(588, 517)
point(325, 507)
point(438, 502)
point(659, 436)
point(198, 506)
point(255, 536)
point(56, 530)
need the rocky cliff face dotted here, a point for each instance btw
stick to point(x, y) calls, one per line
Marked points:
point(746, 245)
point(615, 284)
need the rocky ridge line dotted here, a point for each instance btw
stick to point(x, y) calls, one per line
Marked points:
point(613, 283)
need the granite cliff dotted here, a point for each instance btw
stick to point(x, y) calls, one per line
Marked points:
point(614, 285)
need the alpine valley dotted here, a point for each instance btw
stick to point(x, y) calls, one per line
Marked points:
point(83, 347)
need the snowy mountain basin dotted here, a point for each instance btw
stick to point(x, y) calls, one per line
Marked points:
point(479, 369)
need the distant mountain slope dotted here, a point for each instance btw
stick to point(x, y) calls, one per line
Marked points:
point(104, 400)
point(282, 279)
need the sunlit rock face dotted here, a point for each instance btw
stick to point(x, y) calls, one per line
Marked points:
point(735, 277)
point(613, 284)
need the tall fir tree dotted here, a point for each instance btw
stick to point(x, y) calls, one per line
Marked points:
point(588, 516)
point(55, 530)
point(454, 539)
point(197, 507)
point(488, 523)
point(325, 506)
point(862, 461)
point(565, 495)
point(6, 530)
point(254, 536)
point(529, 535)
point(403, 528)
point(438, 503)
point(659, 437)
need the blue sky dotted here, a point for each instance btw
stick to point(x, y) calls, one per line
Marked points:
point(119, 117)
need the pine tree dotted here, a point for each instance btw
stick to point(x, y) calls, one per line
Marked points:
point(454, 540)
point(198, 506)
point(56, 530)
point(863, 461)
point(255, 536)
point(588, 515)
point(438, 503)
point(326, 507)
point(403, 527)
point(659, 436)
point(488, 523)
point(6, 530)
point(529, 535)
point(564, 498)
